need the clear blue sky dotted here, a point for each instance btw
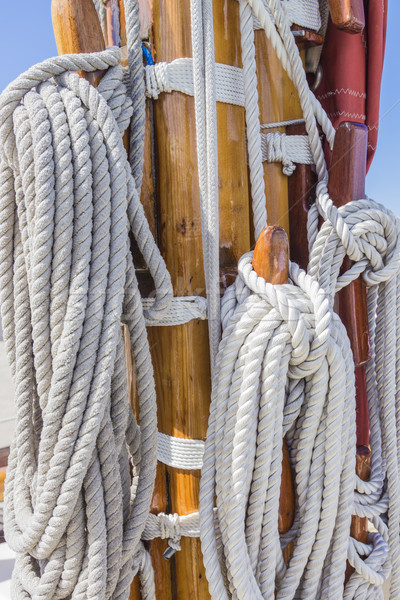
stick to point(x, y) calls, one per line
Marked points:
point(27, 37)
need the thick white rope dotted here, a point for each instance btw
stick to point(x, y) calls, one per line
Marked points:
point(252, 119)
point(68, 203)
point(305, 13)
point(241, 450)
point(178, 76)
point(204, 80)
point(285, 367)
point(136, 90)
point(274, 340)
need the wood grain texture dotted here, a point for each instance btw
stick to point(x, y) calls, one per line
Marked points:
point(181, 354)
point(271, 255)
point(278, 101)
point(77, 29)
point(348, 14)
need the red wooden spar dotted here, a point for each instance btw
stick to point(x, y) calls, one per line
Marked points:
point(346, 183)
point(352, 70)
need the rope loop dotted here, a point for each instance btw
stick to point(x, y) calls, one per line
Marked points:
point(366, 232)
point(302, 305)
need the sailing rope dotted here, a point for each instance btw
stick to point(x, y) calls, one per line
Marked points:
point(74, 513)
point(68, 206)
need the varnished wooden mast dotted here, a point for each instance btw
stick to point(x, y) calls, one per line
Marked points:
point(181, 354)
point(346, 183)
point(279, 101)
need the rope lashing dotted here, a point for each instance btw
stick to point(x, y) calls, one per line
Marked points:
point(178, 76)
point(182, 309)
point(180, 453)
point(68, 205)
point(287, 149)
point(305, 13)
point(171, 527)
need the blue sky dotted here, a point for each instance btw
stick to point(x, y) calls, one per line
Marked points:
point(27, 38)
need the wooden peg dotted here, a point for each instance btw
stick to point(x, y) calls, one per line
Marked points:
point(348, 15)
point(271, 261)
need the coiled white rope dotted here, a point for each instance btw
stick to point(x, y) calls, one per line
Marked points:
point(68, 203)
point(284, 367)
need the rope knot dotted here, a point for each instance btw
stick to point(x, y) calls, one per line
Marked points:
point(364, 230)
point(302, 307)
point(275, 149)
point(170, 530)
point(156, 79)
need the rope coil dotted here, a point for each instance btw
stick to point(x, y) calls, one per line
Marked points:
point(68, 203)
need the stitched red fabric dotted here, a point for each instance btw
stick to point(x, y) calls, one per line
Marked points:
point(352, 71)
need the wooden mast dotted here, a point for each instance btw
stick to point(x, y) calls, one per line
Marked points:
point(77, 29)
point(181, 354)
point(279, 101)
point(347, 183)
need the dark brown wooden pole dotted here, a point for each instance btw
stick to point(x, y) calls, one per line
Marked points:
point(347, 183)
point(301, 191)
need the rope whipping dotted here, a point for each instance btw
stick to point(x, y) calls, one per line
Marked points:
point(69, 203)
